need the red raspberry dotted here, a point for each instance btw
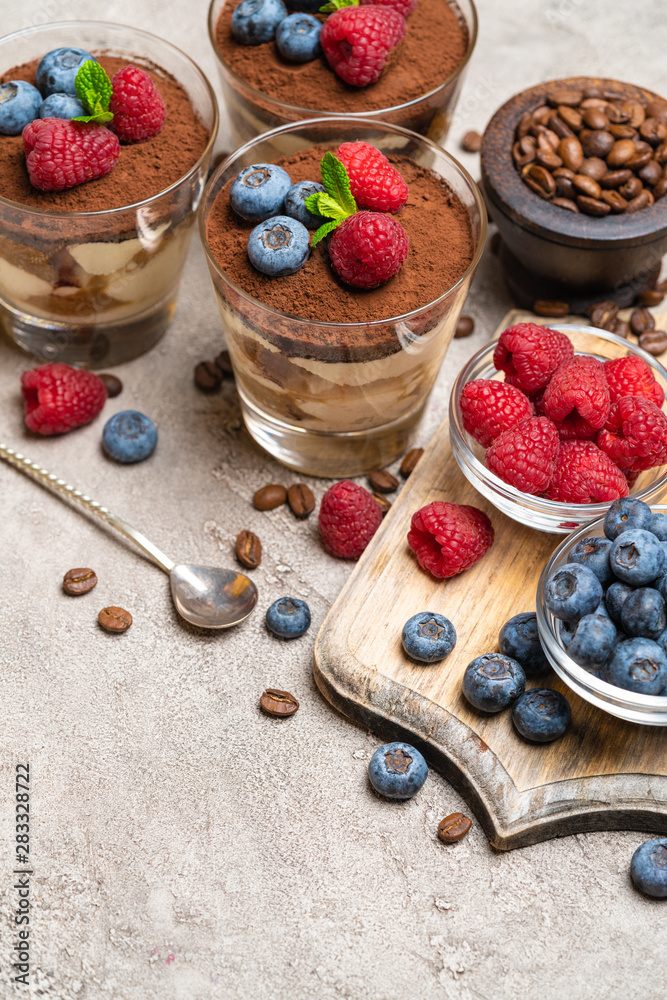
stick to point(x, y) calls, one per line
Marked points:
point(137, 105)
point(449, 537)
point(349, 517)
point(488, 408)
point(357, 41)
point(58, 398)
point(632, 376)
point(584, 474)
point(374, 182)
point(525, 456)
point(61, 154)
point(404, 7)
point(529, 354)
point(635, 435)
point(368, 248)
point(577, 398)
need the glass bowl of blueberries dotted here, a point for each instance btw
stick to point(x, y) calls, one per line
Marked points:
point(602, 611)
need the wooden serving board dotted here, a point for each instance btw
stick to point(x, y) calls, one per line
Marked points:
point(603, 774)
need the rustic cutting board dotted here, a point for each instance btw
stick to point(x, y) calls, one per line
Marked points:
point(603, 774)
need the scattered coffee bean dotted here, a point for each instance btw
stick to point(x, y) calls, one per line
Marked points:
point(383, 481)
point(545, 307)
point(471, 142)
point(453, 828)
point(410, 461)
point(382, 502)
point(641, 320)
point(248, 549)
point(224, 363)
point(301, 500)
point(114, 619)
point(651, 297)
point(280, 704)
point(207, 376)
point(270, 497)
point(113, 385)
point(464, 327)
point(603, 312)
point(654, 341)
point(79, 581)
point(621, 328)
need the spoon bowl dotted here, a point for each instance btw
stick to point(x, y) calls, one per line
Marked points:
point(211, 597)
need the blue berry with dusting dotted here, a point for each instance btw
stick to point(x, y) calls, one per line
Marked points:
point(593, 641)
point(638, 665)
point(541, 715)
point(279, 246)
point(129, 436)
point(255, 21)
point(57, 70)
point(624, 513)
point(519, 639)
point(648, 868)
point(428, 637)
point(572, 591)
point(258, 191)
point(643, 613)
point(659, 525)
point(493, 681)
point(637, 557)
point(594, 553)
point(298, 38)
point(397, 771)
point(288, 617)
point(61, 106)
point(19, 105)
point(615, 599)
point(295, 204)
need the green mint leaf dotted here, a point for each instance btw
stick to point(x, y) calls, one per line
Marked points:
point(93, 88)
point(100, 119)
point(323, 204)
point(337, 5)
point(324, 230)
point(337, 183)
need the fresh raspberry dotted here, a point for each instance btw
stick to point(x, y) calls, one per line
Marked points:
point(525, 456)
point(404, 7)
point(632, 376)
point(488, 408)
point(584, 474)
point(58, 398)
point(635, 434)
point(529, 354)
point(357, 41)
point(61, 153)
point(349, 517)
point(368, 248)
point(449, 537)
point(374, 182)
point(577, 398)
point(137, 105)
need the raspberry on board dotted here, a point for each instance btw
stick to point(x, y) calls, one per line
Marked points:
point(448, 538)
point(57, 398)
point(577, 397)
point(635, 434)
point(584, 474)
point(529, 354)
point(61, 154)
point(489, 407)
point(632, 376)
point(375, 183)
point(368, 248)
point(137, 105)
point(525, 456)
point(357, 40)
point(349, 517)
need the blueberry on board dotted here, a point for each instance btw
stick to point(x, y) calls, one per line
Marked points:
point(295, 207)
point(638, 665)
point(61, 106)
point(594, 553)
point(19, 105)
point(57, 70)
point(255, 21)
point(658, 525)
point(637, 557)
point(491, 682)
point(615, 599)
point(288, 617)
point(298, 38)
point(593, 641)
point(397, 771)
point(541, 714)
point(572, 591)
point(648, 868)
point(519, 639)
point(259, 190)
point(428, 637)
point(279, 246)
point(643, 613)
point(624, 513)
point(129, 436)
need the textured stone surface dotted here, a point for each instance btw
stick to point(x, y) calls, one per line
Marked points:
point(187, 846)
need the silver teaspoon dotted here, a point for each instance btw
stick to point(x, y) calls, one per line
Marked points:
point(204, 595)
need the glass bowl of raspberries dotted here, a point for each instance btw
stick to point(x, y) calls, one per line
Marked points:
point(552, 424)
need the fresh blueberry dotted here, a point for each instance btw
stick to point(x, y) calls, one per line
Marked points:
point(259, 190)
point(519, 640)
point(295, 207)
point(643, 613)
point(255, 21)
point(625, 513)
point(602, 609)
point(648, 868)
point(572, 592)
point(61, 106)
point(298, 38)
point(491, 682)
point(594, 553)
point(637, 665)
point(57, 70)
point(129, 436)
point(541, 714)
point(566, 631)
point(19, 105)
point(397, 771)
point(615, 599)
point(288, 617)
point(593, 641)
point(428, 637)
point(279, 246)
point(637, 557)
point(659, 525)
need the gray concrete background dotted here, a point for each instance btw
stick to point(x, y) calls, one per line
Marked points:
point(184, 845)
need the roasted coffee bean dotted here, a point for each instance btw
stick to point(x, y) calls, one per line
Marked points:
point(114, 619)
point(280, 704)
point(642, 200)
point(654, 341)
point(639, 160)
point(557, 125)
point(615, 178)
point(617, 114)
point(623, 131)
point(539, 180)
point(571, 153)
point(208, 376)
point(615, 201)
point(650, 298)
point(410, 460)
point(453, 828)
point(471, 142)
point(637, 113)
point(657, 109)
point(653, 130)
point(520, 158)
point(301, 500)
point(596, 143)
point(593, 99)
point(568, 96)
point(594, 167)
point(641, 320)
point(79, 581)
point(595, 118)
point(541, 115)
point(602, 312)
point(631, 189)
point(270, 497)
point(547, 140)
point(565, 188)
point(571, 117)
point(651, 172)
point(547, 307)
point(464, 327)
point(383, 481)
point(591, 206)
point(620, 328)
point(660, 190)
point(620, 152)
point(382, 502)
point(549, 160)
point(524, 126)
point(248, 549)
point(586, 185)
point(567, 203)
point(112, 384)
point(223, 362)
point(660, 153)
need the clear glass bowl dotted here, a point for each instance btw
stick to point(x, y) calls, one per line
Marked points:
point(650, 710)
point(537, 512)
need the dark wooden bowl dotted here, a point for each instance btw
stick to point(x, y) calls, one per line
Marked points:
point(549, 253)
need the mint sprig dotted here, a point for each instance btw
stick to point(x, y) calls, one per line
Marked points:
point(336, 202)
point(333, 5)
point(93, 88)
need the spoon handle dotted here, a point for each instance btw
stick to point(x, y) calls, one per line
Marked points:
point(47, 478)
